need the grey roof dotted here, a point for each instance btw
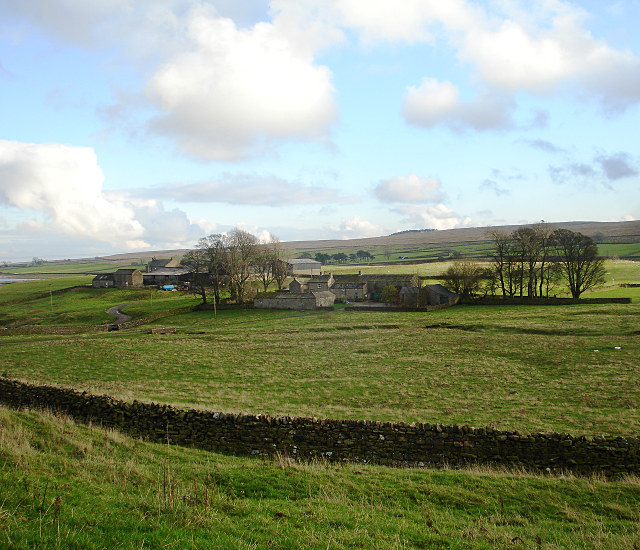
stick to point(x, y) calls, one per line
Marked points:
point(160, 263)
point(439, 289)
point(168, 272)
point(349, 284)
point(127, 271)
point(104, 277)
point(320, 278)
point(294, 261)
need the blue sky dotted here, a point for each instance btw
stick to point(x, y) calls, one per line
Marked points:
point(131, 125)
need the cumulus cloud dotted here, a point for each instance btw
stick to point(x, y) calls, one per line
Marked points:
point(513, 52)
point(63, 184)
point(248, 189)
point(435, 102)
point(235, 91)
point(355, 228)
point(436, 216)
point(411, 188)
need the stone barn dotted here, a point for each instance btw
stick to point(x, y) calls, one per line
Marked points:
point(296, 301)
point(303, 266)
point(155, 264)
point(103, 280)
point(127, 278)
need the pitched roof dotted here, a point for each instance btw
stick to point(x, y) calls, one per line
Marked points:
point(294, 261)
point(104, 277)
point(160, 263)
point(439, 289)
point(320, 278)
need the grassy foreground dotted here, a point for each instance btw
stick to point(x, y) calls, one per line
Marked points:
point(70, 486)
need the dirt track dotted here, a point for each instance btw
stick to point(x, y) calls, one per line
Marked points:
point(119, 317)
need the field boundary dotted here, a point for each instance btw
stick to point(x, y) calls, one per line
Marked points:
point(538, 301)
point(386, 443)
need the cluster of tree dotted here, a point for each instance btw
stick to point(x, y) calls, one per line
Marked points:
point(231, 261)
point(341, 257)
point(530, 261)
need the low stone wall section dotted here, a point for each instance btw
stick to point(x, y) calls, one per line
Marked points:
point(540, 301)
point(388, 443)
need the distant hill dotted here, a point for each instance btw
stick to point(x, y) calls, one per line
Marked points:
point(612, 231)
point(626, 230)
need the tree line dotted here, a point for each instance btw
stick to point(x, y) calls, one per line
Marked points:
point(230, 261)
point(341, 257)
point(531, 262)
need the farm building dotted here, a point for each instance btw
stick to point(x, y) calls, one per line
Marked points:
point(296, 301)
point(350, 287)
point(169, 276)
point(104, 280)
point(439, 295)
point(298, 287)
point(376, 283)
point(303, 266)
point(127, 277)
point(156, 265)
point(320, 282)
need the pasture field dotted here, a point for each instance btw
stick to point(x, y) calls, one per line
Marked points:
point(32, 303)
point(570, 368)
point(72, 486)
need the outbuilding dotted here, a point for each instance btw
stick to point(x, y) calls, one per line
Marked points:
point(127, 277)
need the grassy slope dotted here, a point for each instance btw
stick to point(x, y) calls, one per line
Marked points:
point(80, 306)
point(68, 486)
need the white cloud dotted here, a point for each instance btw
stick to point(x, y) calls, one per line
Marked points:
point(234, 91)
point(437, 216)
point(355, 228)
point(411, 188)
point(434, 103)
point(63, 185)
point(512, 51)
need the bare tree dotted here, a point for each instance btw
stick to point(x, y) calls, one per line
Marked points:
point(215, 246)
point(577, 255)
point(267, 262)
point(200, 279)
point(241, 253)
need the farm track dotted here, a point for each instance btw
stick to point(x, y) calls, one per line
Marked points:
point(119, 316)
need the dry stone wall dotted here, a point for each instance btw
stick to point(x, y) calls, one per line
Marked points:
point(336, 440)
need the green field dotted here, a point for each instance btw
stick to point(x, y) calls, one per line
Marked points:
point(68, 486)
point(570, 368)
point(515, 367)
point(33, 304)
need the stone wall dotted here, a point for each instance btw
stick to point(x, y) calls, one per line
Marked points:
point(337, 440)
point(541, 301)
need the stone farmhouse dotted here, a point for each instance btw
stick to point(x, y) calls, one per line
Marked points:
point(320, 291)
